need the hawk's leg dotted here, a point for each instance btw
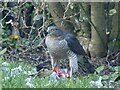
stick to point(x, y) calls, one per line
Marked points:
point(71, 72)
point(54, 62)
point(73, 62)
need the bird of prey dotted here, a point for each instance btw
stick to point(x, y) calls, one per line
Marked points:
point(63, 45)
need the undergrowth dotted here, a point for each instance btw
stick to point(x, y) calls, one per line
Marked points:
point(16, 74)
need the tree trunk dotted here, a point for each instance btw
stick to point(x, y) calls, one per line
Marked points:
point(108, 6)
point(1, 30)
point(84, 34)
point(115, 32)
point(98, 44)
point(57, 11)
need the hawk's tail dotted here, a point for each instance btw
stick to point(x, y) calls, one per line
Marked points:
point(84, 65)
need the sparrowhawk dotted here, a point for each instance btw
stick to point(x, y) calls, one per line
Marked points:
point(63, 45)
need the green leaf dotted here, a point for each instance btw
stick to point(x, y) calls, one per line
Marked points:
point(105, 77)
point(3, 51)
point(114, 76)
point(38, 17)
point(99, 69)
point(112, 12)
point(117, 69)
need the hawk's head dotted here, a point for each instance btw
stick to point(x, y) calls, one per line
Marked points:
point(54, 31)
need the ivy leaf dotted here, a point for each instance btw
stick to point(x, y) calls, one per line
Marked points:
point(105, 77)
point(3, 51)
point(99, 69)
point(112, 12)
point(114, 76)
point(38, 17)
point(117, 69)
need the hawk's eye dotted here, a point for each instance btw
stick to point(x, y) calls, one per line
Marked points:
point(53, 30)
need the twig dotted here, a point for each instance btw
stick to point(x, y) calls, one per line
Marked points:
point(5, 16)
point(66, 9)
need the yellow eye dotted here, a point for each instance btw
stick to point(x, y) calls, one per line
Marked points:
point(53, 30)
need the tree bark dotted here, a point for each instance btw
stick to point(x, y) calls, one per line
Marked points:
point(1, 30)
point(115, 32)
point(108, 6)
point(115, 24)
point(98, 44)
point(85, 33)
point(57, 11)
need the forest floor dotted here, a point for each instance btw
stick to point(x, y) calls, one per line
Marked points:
point(18, 74)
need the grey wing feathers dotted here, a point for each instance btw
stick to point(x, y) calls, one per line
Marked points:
point(74, 44)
